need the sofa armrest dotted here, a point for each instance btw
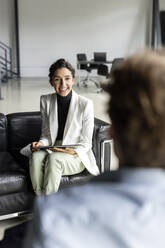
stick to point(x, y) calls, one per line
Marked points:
point(3, 132)
point(106, 153)
point(101, 147)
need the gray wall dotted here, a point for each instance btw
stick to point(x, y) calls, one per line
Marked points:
point(52, 29)
point(7, 26)
point(162, 4)
point(6, 15)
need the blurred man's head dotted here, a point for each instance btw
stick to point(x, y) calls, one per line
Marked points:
point(137, 110)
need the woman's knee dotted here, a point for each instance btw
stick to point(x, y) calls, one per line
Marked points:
point(55, 161)
point(38, 156)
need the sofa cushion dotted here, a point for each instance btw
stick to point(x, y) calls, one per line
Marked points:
point(12, 176)
point(23, 128)
point(80, 178)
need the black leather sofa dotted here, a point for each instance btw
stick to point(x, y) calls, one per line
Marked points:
point(16, 131)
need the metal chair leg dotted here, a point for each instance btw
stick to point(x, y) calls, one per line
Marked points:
point(87, 80)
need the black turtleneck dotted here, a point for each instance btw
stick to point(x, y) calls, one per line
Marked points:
point(63, 103)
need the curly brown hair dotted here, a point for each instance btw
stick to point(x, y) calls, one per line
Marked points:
point(137, 109)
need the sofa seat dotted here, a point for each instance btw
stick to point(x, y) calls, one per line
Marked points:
point(12, 176)
point(75, 179)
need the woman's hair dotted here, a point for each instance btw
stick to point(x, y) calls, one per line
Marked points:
point(137, 108)
point(60, 63)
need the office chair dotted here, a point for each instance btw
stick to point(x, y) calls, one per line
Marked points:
point(102, 71)
point(100, 57)
point(84, 64)
point(115, 62)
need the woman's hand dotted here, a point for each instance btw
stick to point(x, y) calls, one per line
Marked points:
point(35, 145)
point(65, 150)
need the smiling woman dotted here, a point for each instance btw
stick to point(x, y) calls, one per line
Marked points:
point(62, 76)
point(67, 118)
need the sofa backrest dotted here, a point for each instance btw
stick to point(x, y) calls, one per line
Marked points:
point(3, 132)
point(23, 128)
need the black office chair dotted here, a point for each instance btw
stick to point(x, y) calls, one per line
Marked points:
point(115, 62)
point(84, 64)
point(100, 57)
point(81, 57)
point(102, 70)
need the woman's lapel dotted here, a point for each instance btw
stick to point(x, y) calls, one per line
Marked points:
point(53, 117)
point(70, 116)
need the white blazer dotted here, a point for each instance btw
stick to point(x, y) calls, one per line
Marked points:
point(78, 128)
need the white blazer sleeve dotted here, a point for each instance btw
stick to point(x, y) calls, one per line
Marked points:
point(85, 143)
point(45, 121)
point(26, 151)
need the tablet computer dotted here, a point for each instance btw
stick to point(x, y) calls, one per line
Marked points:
point(58, 146)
